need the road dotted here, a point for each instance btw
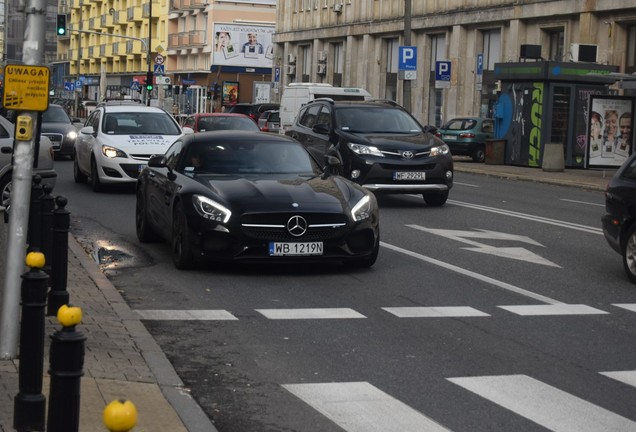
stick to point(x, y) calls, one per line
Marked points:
point(503, 310)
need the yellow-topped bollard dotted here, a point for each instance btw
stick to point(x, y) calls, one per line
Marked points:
point(120, 416)
point(69, 316)
point(35, 260)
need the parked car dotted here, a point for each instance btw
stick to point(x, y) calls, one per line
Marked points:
point(117, 141)
point(467, 136)
point(269, 121)
point(619, 221)
point(253, 197)
point(253, 111)
point(205, 122)
point(44, 169)
point(381, 146)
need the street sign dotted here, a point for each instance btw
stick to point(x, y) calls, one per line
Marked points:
point(442, 74)
point(159, 59)
point(407, 58)
point(69, 86)
point(26, 87)
point(160, 69)
point(134, 85)
point(277, 74)
point(163, 80)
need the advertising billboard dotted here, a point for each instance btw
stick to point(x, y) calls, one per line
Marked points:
point(610, 137)
point(243, 45)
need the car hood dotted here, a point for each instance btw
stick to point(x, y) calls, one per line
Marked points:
point(393, 141)
point(284, 193)
point(140, 144)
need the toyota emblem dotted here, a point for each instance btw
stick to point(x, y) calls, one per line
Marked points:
point(297, 226)
point(407, 154)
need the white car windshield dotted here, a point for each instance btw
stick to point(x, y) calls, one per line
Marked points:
point(139, 123)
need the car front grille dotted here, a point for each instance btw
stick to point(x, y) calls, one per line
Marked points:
point(141, 157)
point(272, 227)
point(402, 167)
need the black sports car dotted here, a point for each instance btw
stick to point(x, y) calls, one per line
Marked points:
point(254, 197)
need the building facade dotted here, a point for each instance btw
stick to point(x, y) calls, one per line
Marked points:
point(357, 43)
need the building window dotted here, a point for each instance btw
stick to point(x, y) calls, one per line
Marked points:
point(557, 40)
point(392, 55)
point(630, 64)
point(338, 58)
point(492, 48)
point(306, 55)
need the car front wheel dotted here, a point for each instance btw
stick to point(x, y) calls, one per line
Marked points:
point(436, 199)
point(5, 190)
point(479, 154)
point(145, 233)
point(95, 183)
point(78, 175)
point(629, 254)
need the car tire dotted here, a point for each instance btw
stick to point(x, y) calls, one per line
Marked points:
point(479, 154)
point(5, 190)
point(95, 183)
point(181, 243)
point(78, 175)
point(629, 253)
point(369, 260)
point(435, 199)
point(145, 233)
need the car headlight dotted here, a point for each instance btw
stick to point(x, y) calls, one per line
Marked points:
point(364, 150)
point(211, 210)
point(362, 210)
point(71, 135)
point(112, 152)
point(440, 150)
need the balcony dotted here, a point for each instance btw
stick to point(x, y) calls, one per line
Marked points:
point(135, 13)
point(106, 50)
point(107, 21)
point(196, 38)
point(156, 9)
point(119, 17)
point(91, 52)
point(173, 41)
point(134, 47)
point(91, 24)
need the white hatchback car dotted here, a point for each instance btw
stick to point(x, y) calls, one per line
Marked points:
point(117, 140)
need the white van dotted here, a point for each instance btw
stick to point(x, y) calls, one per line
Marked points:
point(295, 95)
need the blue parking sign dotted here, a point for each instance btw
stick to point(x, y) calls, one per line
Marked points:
point(407, 58)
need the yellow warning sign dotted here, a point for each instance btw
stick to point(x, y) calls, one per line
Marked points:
point(26, 87)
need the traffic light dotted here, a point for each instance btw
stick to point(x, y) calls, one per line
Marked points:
point(217, 88)
point(61, 24)
point(149, 81)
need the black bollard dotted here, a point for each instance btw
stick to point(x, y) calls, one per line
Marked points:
point(58, 295)
point(47, 204)
point(66, 369)
point(30, 404)
point(35, 229)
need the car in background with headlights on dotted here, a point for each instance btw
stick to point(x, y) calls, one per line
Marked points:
point(619, 221)
point(236, 196)
point(381, 145)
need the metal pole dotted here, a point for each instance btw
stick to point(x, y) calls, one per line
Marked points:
point(148, 47)
point(79, 56)
point(33, 54)
point(406, 89)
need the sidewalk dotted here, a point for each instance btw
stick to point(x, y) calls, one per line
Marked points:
point(123, 361)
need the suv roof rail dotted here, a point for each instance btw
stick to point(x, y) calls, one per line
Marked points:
point(386, 101)
point(119, 102)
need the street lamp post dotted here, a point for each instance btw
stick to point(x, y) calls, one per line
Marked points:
point(148, 50)
point(406, 89)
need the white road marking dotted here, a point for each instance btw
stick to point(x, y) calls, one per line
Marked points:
point(516, 253)
point(583, 202)
point(629, 306)
point(185, 315)
point(627, 377)
point(465, 272)
point(558, 309)
point(465, 184)
point(435, 312)
point(361, 407)
point(534, 218)
point(309, 313)
point(545, 405)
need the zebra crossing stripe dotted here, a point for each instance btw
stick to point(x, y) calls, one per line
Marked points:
point(627, 377)
point(435, 312)
point(361, 407)
point(309, 313)
point(185, 315)
point(629, 306)
point(545, 405)
point(554, 309)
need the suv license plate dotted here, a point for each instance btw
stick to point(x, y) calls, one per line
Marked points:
point(295, 249)
point(408, 175)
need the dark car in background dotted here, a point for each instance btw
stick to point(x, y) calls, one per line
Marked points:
point(253, 111)
point(619, 221)
point(467, 136)
point(382, 147)
point(253, 197)
point(206, 122)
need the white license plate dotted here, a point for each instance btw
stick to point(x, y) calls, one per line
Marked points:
point(447, 137)
point(408, 175)
point(295, 249)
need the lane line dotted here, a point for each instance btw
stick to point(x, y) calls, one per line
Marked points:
point(561, 309)
point(545, 405)
point(310, 313)
point(582, 202)
point(629, 306)
point(435, 312)
point(480, 277)
point(361, 407)
point(534, 218)
point(185, 315)
point(627, 377)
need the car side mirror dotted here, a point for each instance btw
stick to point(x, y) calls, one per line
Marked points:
point(188, 130)
point(332, 165)
point(88, 130)
point(321, 128)
point(158, 161)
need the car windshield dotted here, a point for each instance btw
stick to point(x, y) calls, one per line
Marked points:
point(226, 122)
point(214, 157)
point(375, 120)
point(55, 115)
point(140, 123)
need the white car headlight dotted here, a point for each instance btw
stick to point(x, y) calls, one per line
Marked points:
point(71, 135)
point(365, 150)
point(440, 150)
point(362, 210)
point(112, 152)
point(211, 210)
